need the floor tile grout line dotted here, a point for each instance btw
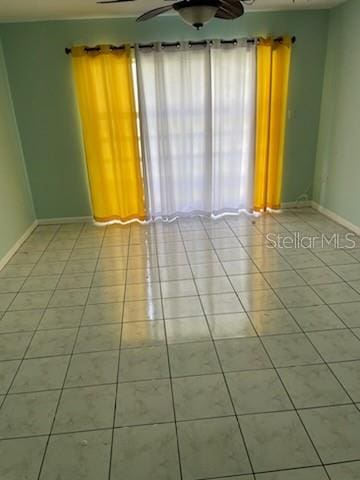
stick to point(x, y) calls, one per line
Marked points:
point(65, 376)
point(55, 434)
point(31, 270)
point(310, 225)
point(179, 296)
point(111, 453)
point(15, 293)
point(307, 467)
point(175, 319)
point(330, 371)
point(30, 342)
point(223, 375)
point(293, 269)
point(23, 358)
point(322, 233)
point(193, 342)
point(209, 250)
point(336, 249)
point(231, 477)
point(286, 390)
point(19, 250)
point(170, 373)
point(306, 333)
point(177, 376)
point(345, 325)
point(59, 434)
point(329, 363)
point(149, 380)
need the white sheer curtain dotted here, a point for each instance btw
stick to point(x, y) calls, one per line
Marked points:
point(175, 105)
point(197, 107)
point(233, 73)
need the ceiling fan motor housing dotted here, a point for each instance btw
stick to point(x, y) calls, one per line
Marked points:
point(197, 12)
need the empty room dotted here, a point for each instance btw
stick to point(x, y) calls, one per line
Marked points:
point(179, 240)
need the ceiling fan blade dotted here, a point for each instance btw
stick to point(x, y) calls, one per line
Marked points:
point(154, 13)
point(230, 9)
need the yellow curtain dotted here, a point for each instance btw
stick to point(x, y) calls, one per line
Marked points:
point(273, 66)
point(107, 107)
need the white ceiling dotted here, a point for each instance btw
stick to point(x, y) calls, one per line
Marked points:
point(29, 10)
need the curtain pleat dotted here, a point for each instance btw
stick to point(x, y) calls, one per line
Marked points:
point(233, 76)
point(273, 67)
point(197, 110)
point(175, 108)
point(107, 107)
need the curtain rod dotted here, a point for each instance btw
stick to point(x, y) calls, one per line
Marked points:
point(175, 44)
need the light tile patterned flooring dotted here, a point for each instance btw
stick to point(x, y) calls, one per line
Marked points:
point(188, 350)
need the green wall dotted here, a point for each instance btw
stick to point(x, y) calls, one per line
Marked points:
point(43, 94)
point(337, 177)
point(16, 209)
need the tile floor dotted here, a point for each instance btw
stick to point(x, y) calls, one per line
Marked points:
point(191, 350)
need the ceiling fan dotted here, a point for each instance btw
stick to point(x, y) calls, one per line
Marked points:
point(196, 12)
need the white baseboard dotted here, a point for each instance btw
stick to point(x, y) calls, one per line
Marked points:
point(61, 220)
point(299, 204)
point(337, 218)
point(17, 244)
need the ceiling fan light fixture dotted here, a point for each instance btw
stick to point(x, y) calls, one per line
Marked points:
point(198, 12)
point(198, 15)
